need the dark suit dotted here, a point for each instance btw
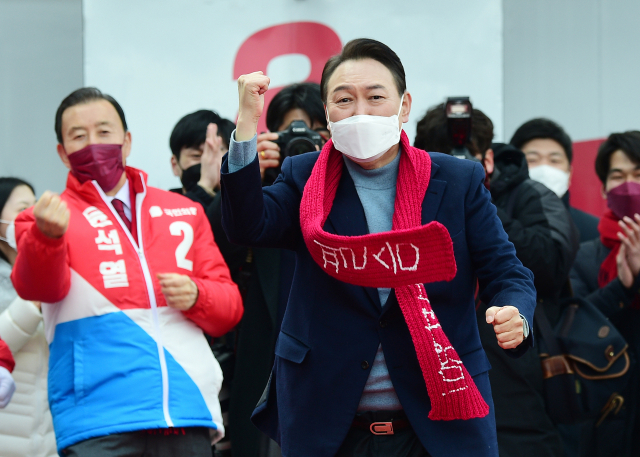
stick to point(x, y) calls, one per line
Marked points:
point(331, 330)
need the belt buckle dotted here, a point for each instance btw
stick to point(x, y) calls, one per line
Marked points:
point(381, 428)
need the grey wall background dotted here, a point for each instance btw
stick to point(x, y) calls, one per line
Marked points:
point(40, 63)
point(573, 61)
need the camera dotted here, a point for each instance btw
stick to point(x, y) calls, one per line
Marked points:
point(297, 139)
point(458, 111)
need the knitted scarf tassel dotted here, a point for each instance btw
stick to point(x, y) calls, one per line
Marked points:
point(404, 258)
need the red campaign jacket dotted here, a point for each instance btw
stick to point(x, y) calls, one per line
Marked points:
point(176, 238)
point(121, 360)
point(6, 359)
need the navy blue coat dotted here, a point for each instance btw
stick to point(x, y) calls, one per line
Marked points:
point(331, 330)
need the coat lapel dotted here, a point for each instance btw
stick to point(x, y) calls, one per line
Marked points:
point(347, 218)
point(432, 200)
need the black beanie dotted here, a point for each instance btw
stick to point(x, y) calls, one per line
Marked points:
point(542, 128)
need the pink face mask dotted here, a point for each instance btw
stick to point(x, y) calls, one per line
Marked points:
point(624, 200)
point(100, 162)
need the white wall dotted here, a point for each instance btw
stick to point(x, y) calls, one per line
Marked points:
point(575, 62)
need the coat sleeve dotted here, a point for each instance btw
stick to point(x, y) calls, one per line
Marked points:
point(503, 280)
point(255, 217)
point(18, 323)
point(6, 359)
point(41, 271)
point(219, 306)
point(544, 235)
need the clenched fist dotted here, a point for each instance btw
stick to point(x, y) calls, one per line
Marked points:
point(251, 90)
point(179, 290)
point(507, 324)
point(52, 215)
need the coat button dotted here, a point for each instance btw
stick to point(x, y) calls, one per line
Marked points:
point(384, 323)
point(365, 364)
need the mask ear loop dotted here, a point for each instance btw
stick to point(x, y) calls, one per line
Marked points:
point(401, 101)
point(326, 113)
point(3, 238)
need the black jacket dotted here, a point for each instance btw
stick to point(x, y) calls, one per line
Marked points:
point(586, 223)
point(546, 242)
point(614, 301)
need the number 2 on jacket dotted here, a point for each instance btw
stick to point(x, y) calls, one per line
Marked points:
point(177, 229)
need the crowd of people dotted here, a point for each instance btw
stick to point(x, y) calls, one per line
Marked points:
point(326, 288)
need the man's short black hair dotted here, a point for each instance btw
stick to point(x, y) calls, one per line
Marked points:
point(627, 142)
point(304, 96)
point(365, 48)
point(432, 132)
point(542, 128)
point(85, 95)
point(191, 131)
point(225, 129)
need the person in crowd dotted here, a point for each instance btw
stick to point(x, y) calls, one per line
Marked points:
point(198, 142)
point(546, 242)
point(22, 328)
point(296, 102)
point(549, 154)
point(607, 268)
point(378, 352)
point(7, 384)
point(271, 273)
point(129, 277)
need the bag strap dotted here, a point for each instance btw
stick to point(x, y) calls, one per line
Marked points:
point(548, 335)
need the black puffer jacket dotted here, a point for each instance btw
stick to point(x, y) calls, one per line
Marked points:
point(546, 242)
point(536, 220)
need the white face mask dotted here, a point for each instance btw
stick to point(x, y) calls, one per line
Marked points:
point(10, 234)
point(364, 138)
point(554, 179)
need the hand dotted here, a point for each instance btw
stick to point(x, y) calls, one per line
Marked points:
point(211, 160)
point(251, 89)
point(629, 262)
point(507, 324)
point(52, 215)
point(268, 151)
point(179, 290)
point(624, 271)
point(7, 387)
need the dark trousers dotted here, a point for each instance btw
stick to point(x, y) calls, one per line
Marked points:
point(362, 443)
point(187, 442)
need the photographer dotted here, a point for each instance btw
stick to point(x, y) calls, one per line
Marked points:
point(271, 270)
point(297, 102)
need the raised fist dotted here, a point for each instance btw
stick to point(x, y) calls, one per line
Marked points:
point(52, 215)
point(251, 90)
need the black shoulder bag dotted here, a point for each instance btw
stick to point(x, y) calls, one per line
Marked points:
point(584, 359)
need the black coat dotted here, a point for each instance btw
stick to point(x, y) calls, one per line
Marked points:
point(264, 276)
point(586, 223)
point(546, 242)
point(621, 431)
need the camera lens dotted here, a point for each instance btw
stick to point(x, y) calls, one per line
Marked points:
point(299, 145)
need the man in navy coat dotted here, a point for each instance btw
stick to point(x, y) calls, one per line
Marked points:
point(346, 379)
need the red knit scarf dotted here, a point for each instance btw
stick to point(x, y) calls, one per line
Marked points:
point(404, 258)
point(608, 228)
